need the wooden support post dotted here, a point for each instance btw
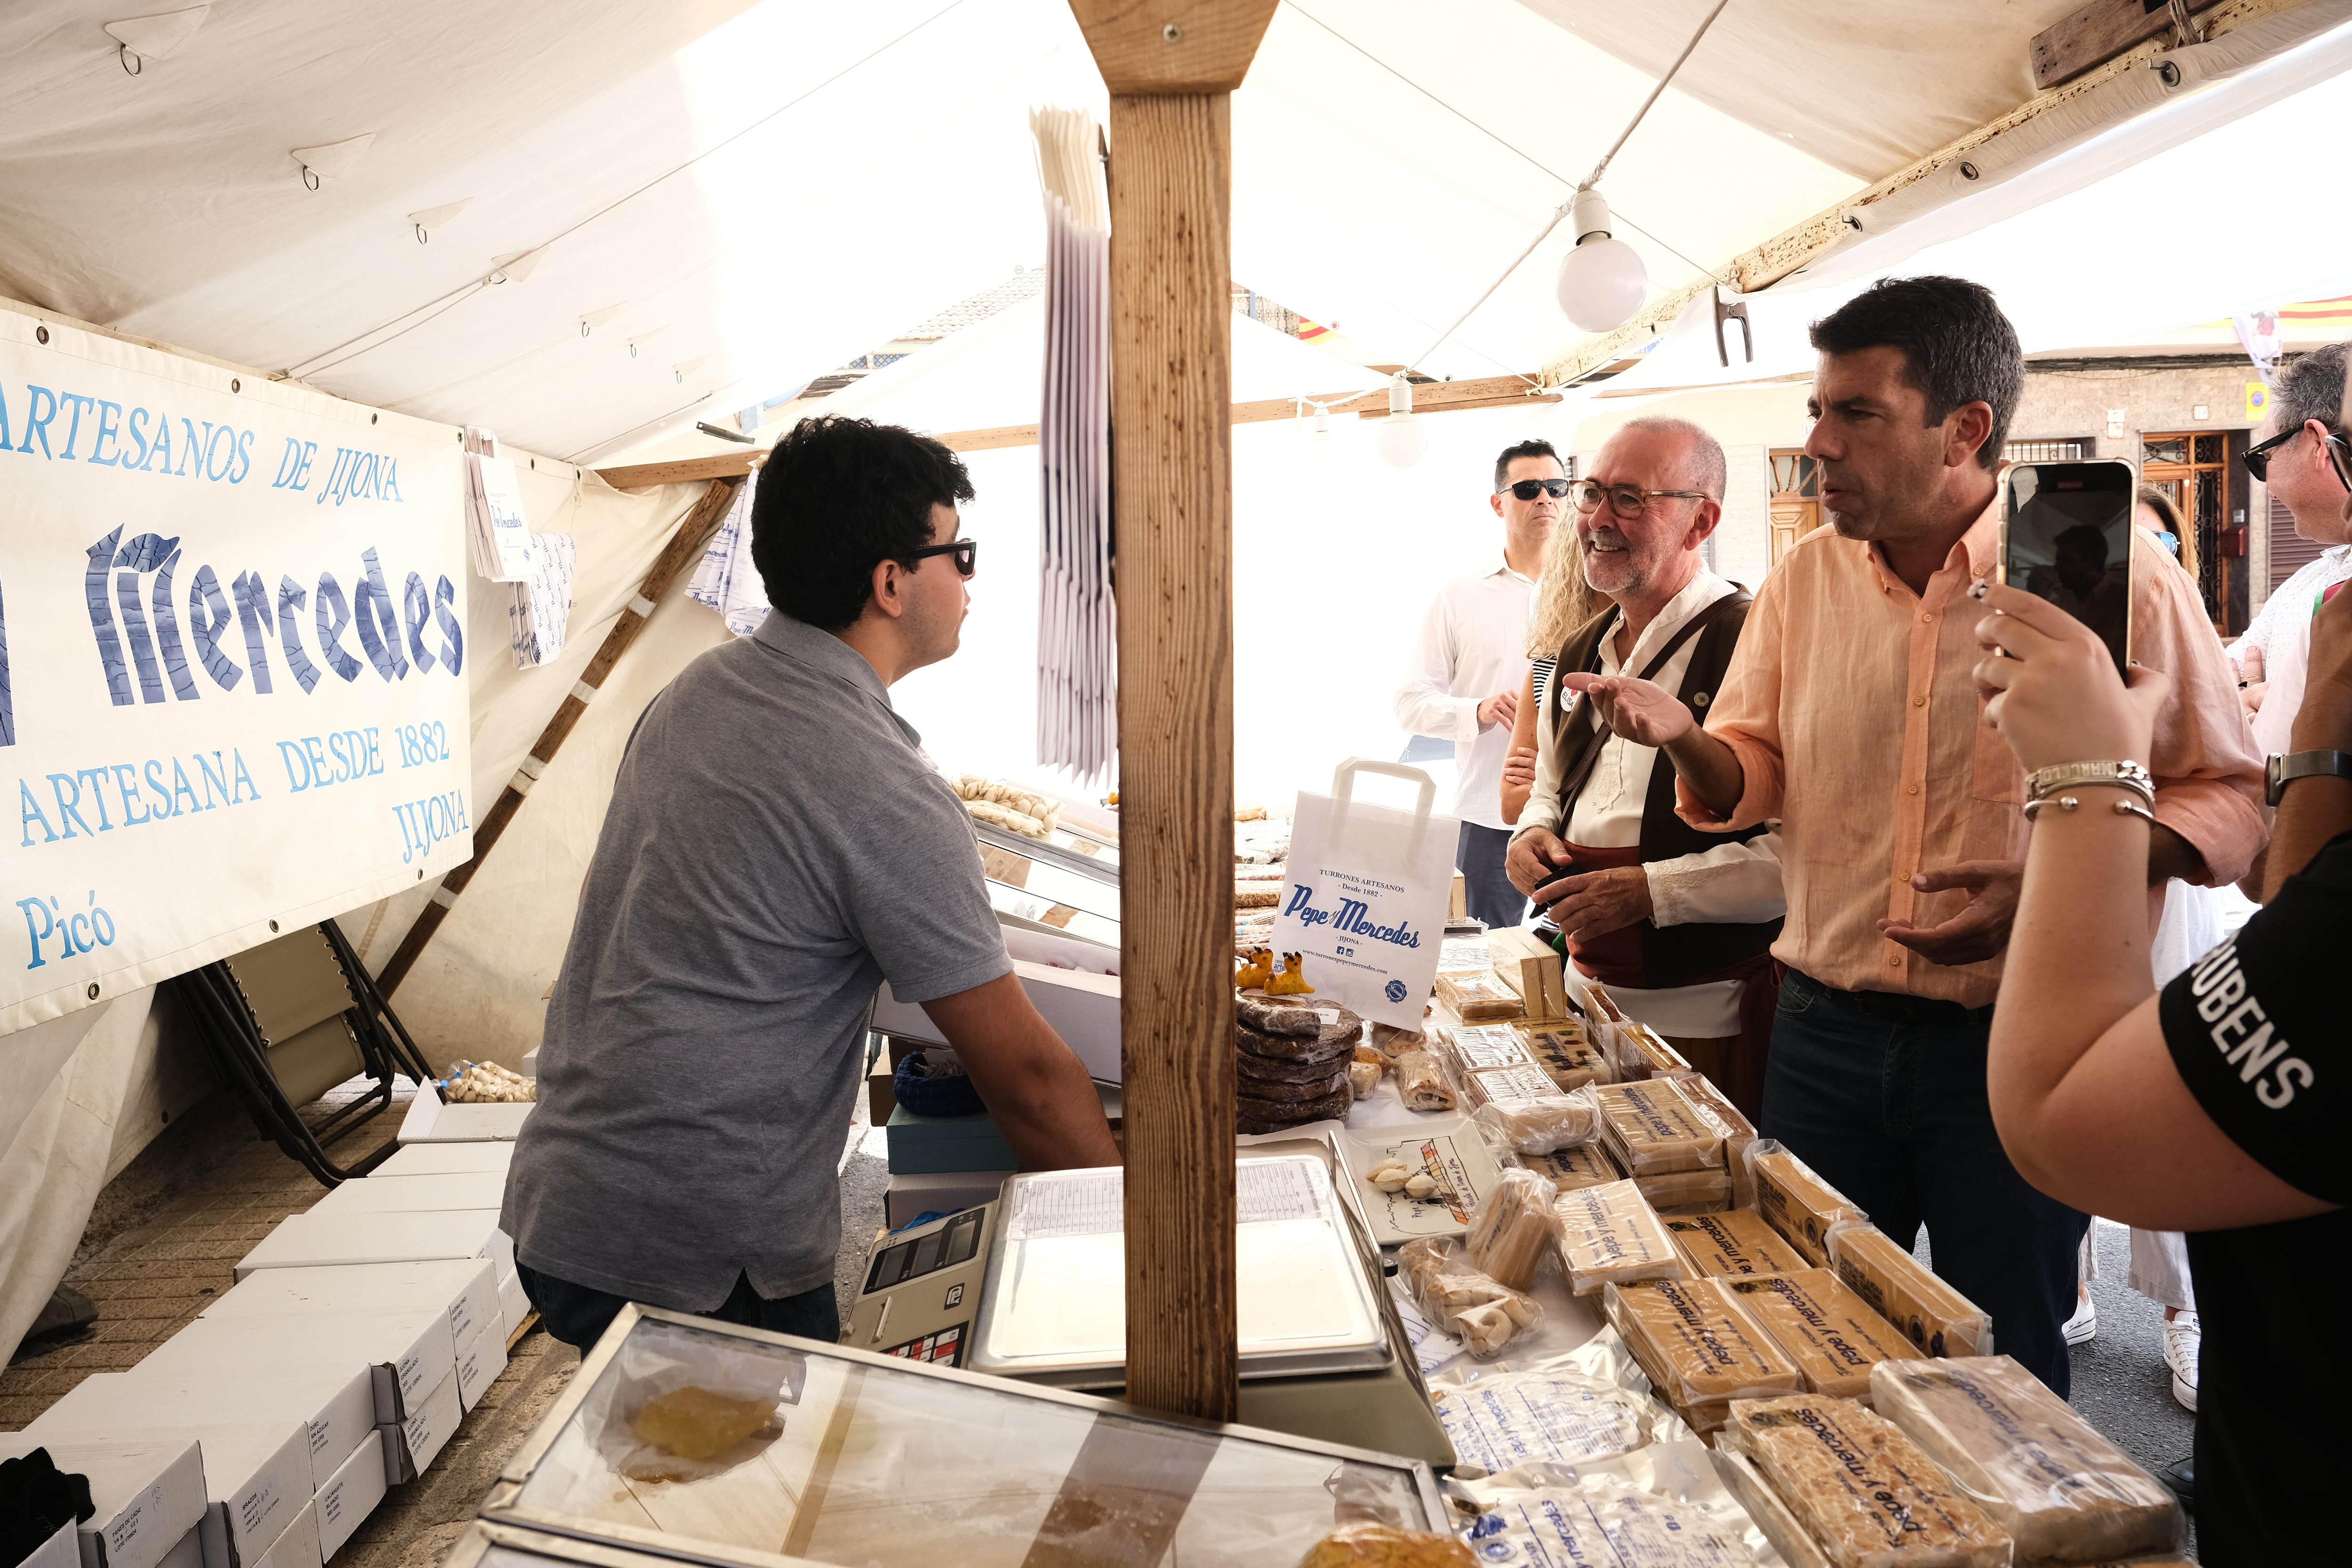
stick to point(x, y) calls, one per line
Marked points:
point(1171, 69)
point(715, 498)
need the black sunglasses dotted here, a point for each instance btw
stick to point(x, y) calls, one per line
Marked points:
point(2258, 456)
point(1528, 490)
point(965, 551)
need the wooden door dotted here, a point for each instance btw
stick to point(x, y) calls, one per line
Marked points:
point(1796, 500)
point(2198, 469)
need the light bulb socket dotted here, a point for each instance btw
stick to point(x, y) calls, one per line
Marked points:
point(1400, 394)
point(1588, 214)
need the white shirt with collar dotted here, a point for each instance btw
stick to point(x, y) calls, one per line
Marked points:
point(1473, 643)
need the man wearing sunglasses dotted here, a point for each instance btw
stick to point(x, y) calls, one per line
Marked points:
point(1462, 679)
point(776, 847)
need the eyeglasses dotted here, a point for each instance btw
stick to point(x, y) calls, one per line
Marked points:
point(1625, 500)
point(1528, 490)
point(965, 551)
point(2258, 456)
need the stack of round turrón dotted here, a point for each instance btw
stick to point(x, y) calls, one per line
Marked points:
point(1291, 1060)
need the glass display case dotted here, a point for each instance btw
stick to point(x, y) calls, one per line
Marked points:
point(1068, 880)
point(727, 1446)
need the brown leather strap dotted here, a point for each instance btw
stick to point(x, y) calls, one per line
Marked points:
point(1586, 759)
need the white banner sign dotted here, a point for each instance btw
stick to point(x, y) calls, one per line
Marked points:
point(232, 663)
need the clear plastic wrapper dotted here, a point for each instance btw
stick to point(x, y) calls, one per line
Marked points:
point(1420, 1082)
point(1738, 1132)
point(1371, 1546)
point(1735, 1241)
point(1525, 1081)
point(2060, 1490)
point(1573, 1168)
point(1700, 1350)
point(1541, 1124)
point(1392, 1042)
point(1363, 1078)
point(1800, 1204)
point(1686, 1192)
point(1508, 1419)
point(1603, 1019)
point(1828, 1330)
point(1463, 955)
point(1477, 998)
point(1864, 1492)
point(1763, 1505)
point(1652, 1128)
point(1659, 1507)
point(1567, 1053)
point(1474, 1048)
point(1609, 1233)
point(1936, 1319)
point(1643, 1053)
point(1461, 1300)
point(1512, 1227)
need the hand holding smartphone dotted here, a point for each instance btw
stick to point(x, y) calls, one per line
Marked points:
point(2066, 536)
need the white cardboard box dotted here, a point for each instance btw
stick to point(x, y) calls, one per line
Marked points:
point(305, 1240)
point(298, 1545)
point(61, 1549)
point(351, 1494)
point(188, 1554)
point(257, 1472)
point(431, 1121)
point(471, 1287)
point(400, 1353)
point(416, 1195)
point(149, 1493)
point(411, 1447)
point(479, 1362)
point(1082, 1008)
point(912, 1192)
point(514, 1303)
point(446, 1159)
point(335, 1400)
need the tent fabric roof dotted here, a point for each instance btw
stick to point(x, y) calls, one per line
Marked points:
point(767, 190)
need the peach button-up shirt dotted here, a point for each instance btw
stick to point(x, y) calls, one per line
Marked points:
point(1853, 709)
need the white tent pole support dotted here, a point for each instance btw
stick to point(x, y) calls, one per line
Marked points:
point(1782, 253)
point(683, 545)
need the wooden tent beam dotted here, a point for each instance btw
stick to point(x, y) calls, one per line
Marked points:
point(1172, 69)
point(682, 547)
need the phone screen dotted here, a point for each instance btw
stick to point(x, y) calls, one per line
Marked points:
point(2067, 539)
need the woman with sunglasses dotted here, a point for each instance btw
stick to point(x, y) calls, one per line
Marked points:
point(2216, 1106)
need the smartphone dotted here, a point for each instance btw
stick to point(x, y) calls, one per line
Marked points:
point(2066, 536)
point(1564, 874)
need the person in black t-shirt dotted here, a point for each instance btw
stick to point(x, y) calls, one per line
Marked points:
point(2211, 1108)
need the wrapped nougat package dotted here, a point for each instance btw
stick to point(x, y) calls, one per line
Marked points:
point(1828, 1330)
point(1765, 1508)
point(1609, 1234)
point(1565, 1052)
point(1938, 1319)
point(1736, 1241)
point(1652, 1128)
point(1512, 1226)
point(1463, 955)
point(1462, 1299)
point(1573, 1168)
point(1738, 1132)
point(1863, 1491)
point(1420, 1082)
point(1686, 1192)
point(1474, 1048)
point(1477, 998)
point(1540, 1124)
point(1700, 1351)
point(1643, 1053)
point(2023, 1455)
point(1483, 1086)
point(1800, 1205)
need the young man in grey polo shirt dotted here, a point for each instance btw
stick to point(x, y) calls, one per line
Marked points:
point(776, 847)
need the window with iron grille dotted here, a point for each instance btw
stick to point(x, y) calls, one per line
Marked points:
point(2073, 452)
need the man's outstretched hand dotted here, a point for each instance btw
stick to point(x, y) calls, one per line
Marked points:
point(1641, 710)
point(1980, 931)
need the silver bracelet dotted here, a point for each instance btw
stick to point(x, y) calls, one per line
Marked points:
point(2072, 803)
point(2130, 775)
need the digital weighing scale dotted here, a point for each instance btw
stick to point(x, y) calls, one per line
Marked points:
point(922, 1287)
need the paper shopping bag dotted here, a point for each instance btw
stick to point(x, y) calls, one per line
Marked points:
point(1364, 903)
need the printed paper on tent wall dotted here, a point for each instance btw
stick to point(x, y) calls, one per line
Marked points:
point(232, 659)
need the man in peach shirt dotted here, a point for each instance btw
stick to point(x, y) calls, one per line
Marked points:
point(1849, 713)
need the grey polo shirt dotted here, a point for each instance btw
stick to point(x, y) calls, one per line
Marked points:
point(776, 846)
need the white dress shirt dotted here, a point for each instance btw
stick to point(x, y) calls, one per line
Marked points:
point(1730, 882)
point(1473, 643)
point(2283, 631)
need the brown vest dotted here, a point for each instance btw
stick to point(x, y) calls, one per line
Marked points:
point(1677, 954)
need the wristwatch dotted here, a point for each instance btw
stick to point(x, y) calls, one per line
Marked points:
point(2285, 768)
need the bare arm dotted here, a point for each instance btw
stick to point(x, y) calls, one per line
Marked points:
point(1519, 763)
point(1040, 1097)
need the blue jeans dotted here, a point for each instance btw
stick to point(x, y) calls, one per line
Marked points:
point(1885, 1096)
point(1479, 856)
point(578, 1315)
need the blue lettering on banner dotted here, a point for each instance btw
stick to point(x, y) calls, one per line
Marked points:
point(425, 823)
point(1352, 918)
point(322, 761)
point(77, 932)
point(73, 799)
point(423, 743)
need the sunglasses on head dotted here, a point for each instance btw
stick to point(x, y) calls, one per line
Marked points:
point(965, 551)
point(1528, 490)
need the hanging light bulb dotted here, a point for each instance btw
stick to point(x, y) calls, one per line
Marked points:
point(1602, 282)
point(1404, 440)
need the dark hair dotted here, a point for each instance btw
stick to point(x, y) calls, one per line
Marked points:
point(1957, 345)
point(1524, 449)
point(837, 498)
point(2312, 388)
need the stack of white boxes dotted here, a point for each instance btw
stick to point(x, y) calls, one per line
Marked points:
point(149, 1494)
point(356, 1339)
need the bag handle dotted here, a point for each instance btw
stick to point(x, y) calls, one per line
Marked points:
point(1343, 781)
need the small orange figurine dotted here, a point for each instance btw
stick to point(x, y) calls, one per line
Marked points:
point(1257, 972)
point(1292, 981)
